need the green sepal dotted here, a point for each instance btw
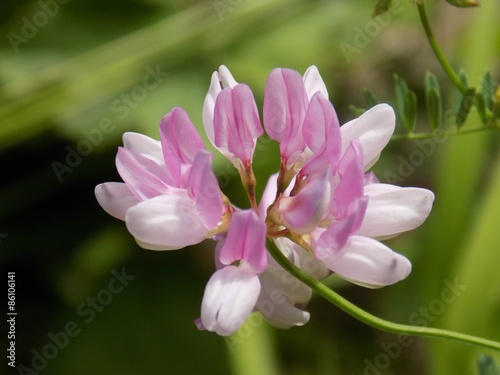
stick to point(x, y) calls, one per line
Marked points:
point(370, 98)
point(407, 103)
point(433, 99)
point(481, 107)
point(458, 94)
point(496, 103)
point(466, 105)
point(486, 366)
point(488, 90)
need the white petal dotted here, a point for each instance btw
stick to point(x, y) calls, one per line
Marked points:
point(374, 128)
point(314, 82)
point(392, 210)
point(293, 289)
point(226, 78)
point(280, 296)
point(268, 195)
point(230, 297)
point(153, 246)
point(209, 106)
point(144, 145)
point(301, 257)
point(115, 198)
point(284, 297)
point(166, 222)
point(367, 262)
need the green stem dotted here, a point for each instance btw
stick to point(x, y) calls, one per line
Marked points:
point(441, 134)
point(437, 50)
point(368, 318)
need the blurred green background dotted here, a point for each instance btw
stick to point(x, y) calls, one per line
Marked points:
point(75, 75)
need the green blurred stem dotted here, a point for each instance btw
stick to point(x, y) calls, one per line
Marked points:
point(441, 134)
point(368, 318)
point(437, 50)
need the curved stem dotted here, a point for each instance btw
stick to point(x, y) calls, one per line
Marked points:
point(368, 318)
point(437, 50)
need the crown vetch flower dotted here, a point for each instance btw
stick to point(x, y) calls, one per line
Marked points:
point(170, 198)
point(324, 210)
point(232, 292)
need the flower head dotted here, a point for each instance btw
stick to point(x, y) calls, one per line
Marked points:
point(324, 210)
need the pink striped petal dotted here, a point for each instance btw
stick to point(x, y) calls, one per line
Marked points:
point(143, 176)
point(229, 298)
point(392, 210)
point(336, 235)
point(369, 263)
point(180, 143)
point(304, 211)
point(285, 105)
point(320, 121)
point(236, 122)
point(373, 128)
point(351, 184)
point(203, 188)
point(321, 133)
point(219, 80)
point(115, 198)
point(246, 240)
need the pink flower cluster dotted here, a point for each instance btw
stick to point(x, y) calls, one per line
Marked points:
point(322, 210)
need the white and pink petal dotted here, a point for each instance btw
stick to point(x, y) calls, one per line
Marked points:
point(115, 198)
point(219, 80)
point(392, 210)
point(148, 147)
point(367, 262)
point(230, 297)
point(373, 128)
point(166, 222)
